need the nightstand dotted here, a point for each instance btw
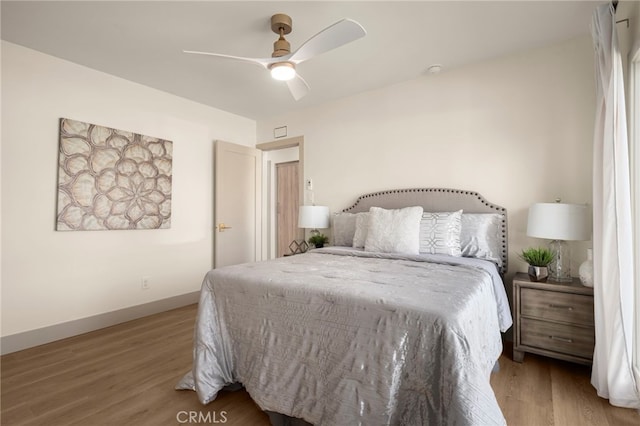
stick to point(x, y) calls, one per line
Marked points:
point(553, 319)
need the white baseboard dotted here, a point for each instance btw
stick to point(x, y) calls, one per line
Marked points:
point(28, 339)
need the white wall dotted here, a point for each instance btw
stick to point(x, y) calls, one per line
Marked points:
point(51, 277)
point(517, 129)
point(635, 23)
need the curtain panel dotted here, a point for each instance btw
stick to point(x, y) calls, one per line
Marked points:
point(613, 258)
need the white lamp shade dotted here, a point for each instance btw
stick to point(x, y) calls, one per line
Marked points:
point(559, 221)
point(313, 217)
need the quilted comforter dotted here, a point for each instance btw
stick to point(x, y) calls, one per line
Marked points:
point(344, 337)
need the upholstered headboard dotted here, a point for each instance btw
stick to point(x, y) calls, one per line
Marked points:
point(435, 200)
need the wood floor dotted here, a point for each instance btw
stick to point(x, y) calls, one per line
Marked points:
point(124, 375)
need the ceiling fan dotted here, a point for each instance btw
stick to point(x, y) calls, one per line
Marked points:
point(282, 63)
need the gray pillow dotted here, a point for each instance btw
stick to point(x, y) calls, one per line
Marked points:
point(343, 229)
point(481, 236)
point(440, 233)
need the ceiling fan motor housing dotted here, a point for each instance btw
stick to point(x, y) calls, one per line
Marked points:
point(280, 48)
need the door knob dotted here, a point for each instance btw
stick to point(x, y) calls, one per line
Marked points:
point(222, 227)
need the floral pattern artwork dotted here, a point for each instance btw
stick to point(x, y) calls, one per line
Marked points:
point(112, 179)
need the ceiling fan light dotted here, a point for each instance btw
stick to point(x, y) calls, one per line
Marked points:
point(283, 71)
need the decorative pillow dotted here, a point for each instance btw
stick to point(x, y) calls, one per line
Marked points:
point(343, 229)
point(440, 233)
point(362, 225)
point(394, 231)
point(481, 236)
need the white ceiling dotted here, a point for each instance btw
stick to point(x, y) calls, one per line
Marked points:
point(142, 41)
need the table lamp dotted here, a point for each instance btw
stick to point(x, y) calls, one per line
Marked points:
point(559, 222)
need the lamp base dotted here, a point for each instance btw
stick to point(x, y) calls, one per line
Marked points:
point(560, 268)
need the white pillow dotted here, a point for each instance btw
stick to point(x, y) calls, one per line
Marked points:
point(343, 229)
point(440, 233)
point(362, 225)
point(481, 236)
point(394, 231)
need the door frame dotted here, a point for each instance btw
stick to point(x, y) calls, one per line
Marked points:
point(292, 142)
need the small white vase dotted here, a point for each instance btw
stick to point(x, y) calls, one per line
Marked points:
point(586, 270)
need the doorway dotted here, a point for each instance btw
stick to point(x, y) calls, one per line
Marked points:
point(280, 152)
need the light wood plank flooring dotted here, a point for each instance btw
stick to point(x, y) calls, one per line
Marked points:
point(124, 375)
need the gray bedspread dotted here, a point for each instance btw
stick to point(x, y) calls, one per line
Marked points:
point(343, 337)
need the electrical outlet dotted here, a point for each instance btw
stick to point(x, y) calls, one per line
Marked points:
point(308, 184)
point(145, 283)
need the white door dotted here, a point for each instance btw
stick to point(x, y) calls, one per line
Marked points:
point(237, 209)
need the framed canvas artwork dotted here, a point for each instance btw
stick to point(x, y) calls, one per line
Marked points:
point(112, 179)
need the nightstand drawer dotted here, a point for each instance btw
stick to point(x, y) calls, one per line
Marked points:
point(555, 337)
point(557, 306)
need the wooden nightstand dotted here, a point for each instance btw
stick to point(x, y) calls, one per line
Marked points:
point(553, 319)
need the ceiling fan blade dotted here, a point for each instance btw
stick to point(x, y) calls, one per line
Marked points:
point(336, 35)
point(263, 62)
point(298, 87)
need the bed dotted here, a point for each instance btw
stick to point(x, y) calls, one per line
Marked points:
point(390, 333)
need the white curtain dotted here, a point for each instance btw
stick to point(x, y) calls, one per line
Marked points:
point(612, 373)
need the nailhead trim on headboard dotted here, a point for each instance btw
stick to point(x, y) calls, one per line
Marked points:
point(487, 207)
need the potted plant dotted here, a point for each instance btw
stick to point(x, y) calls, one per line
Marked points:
point(538, 260)
point(318, 240)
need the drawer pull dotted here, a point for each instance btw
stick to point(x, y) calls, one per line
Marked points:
point(569, 308)
point(562, 339)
